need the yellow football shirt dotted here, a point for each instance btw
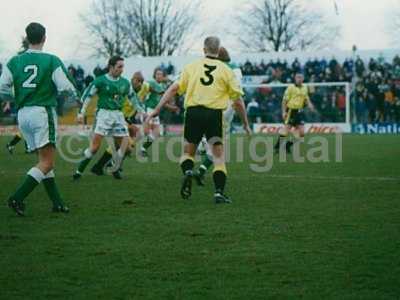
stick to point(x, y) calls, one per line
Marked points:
point(144, 91)
point(210, 83)
point(127, 108)
point(296, 97)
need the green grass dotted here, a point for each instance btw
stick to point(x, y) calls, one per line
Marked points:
point(312, 230)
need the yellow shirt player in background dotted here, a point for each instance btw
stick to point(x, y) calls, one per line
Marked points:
point(294, 101)
point(208, 85)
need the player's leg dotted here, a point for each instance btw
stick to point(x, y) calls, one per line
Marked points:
point(40, 134)
point(151, 132)
point(187, 165)
point(206, 163)
point(88, 155)
point(193, 132)
point(122, 146)
point(103, 126)
point(98, 167)
point(215, 136)
point(121, 137)
point(133, 134)
point(219, 174)
point(46, 165)
point(27, 116)
point(298, 134)
point(283, 142)
point(15, 140)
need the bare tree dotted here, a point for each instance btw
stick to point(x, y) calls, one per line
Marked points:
point(106, 23)
point(140, 27)
point(284, 25)
point(393, 23)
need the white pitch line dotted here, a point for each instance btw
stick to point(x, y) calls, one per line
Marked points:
point(279, 176)
point(366, 178)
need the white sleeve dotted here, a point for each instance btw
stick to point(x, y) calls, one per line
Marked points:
point(61, 81)
point(87, 95)
point(6, 82)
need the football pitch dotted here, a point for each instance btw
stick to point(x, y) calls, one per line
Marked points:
point(328, 230)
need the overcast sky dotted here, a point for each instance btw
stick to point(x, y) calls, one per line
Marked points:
point(362, 22)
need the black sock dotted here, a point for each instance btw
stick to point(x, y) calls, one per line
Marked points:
point(14, 141)
point(219, 181)
point(281, 140)
point(187, 166)
point(148, 143)
point(103, 160)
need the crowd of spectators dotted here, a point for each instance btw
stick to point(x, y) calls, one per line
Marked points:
point(376, 97)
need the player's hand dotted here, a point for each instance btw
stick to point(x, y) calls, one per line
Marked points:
point(176, 109)
point(80, 118)
point(147, 120)
point(247, 129)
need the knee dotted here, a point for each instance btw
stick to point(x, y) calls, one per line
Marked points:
point(46, 166)
point(94, 149)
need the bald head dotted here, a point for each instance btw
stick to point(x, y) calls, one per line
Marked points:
point(211, 46)
point(137, 80)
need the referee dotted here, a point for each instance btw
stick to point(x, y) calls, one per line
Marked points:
point(208, 85)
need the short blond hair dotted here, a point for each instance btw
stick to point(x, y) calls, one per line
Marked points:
point(212, 45)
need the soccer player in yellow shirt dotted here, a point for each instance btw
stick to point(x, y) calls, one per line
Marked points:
point(208, 85)
point(294, 101)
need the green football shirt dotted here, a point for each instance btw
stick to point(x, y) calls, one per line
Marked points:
point(156, 91)
point(112, 92)
point(35, 78)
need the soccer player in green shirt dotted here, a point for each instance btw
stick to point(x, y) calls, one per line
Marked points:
point(35, 78)
point(112, 90)
point(157, 89)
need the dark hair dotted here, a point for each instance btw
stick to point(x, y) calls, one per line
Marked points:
point(158, 69)
point(35, 33)
point(113, 60)
point(223, 55)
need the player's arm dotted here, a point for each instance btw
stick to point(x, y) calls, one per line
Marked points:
point(87, 96)
point(62, 80)
point(6, 84)
point(235, 93)
point(285, 100)
point(240, 108)
point(177, 88)
point(134, 99)
point(171, 92)
point(310, 104)
point(171, 107)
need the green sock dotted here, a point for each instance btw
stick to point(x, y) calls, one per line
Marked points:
point(281, 140)
point(83, 164)
point(14, 141)
point(103, 160)
point(26, 187)
point(147, 144)
point(207, 162)
point(52, 191)
point(202, 170)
